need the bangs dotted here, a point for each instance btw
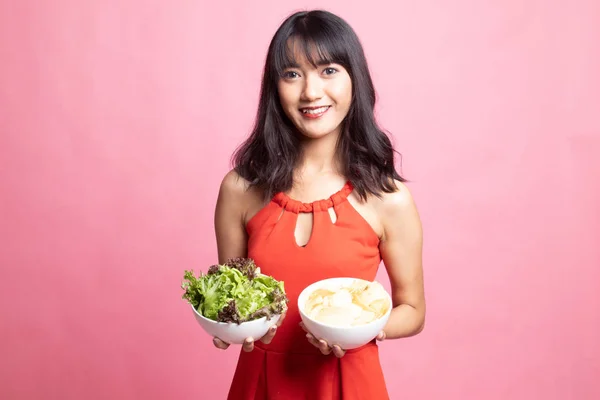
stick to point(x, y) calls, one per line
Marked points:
point(316, 47)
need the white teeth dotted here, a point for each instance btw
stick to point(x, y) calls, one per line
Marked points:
point(315, 111)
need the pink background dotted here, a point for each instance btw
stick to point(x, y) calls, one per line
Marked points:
point(117, 120)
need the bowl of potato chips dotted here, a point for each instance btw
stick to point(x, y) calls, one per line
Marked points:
point(348, 312)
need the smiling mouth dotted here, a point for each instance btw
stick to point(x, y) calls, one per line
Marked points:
point(314, 110)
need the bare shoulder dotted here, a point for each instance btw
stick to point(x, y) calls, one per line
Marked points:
point(233, 184)
point(381, 211)
point(399, 201)
point(238, 197)
point(397, 210)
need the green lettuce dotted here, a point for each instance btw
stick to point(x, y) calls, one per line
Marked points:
point(234, 292)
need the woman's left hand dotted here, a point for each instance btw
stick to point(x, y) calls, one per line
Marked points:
point(325, 348)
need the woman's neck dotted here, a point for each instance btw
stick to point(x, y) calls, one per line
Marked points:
point(319, 157)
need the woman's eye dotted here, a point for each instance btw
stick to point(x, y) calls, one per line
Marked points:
point(330, 71)
point(290, 75)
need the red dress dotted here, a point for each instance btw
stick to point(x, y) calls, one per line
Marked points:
point(290, 368)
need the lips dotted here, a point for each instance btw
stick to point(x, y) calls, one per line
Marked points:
point(312, 112)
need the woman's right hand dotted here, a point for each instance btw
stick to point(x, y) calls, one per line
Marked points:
point(248, 344)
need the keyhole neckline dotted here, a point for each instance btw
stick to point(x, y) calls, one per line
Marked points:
point(297, 207)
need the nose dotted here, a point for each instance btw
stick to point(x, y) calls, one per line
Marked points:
point(313, 88)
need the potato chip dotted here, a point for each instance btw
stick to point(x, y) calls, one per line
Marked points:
point(354, 304)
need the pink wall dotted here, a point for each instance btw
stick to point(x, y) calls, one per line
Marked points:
point(117, 120)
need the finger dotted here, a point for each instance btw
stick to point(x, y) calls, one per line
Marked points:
point(248, 344)
point(282, 317)
point(303, 327)
point(270, 335)
point(312, 340)
point(338, 352)
point(381, 337)
point(219, 344)
point(319, 344)
point(324, 347)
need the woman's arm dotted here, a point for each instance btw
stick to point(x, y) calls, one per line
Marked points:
point(230, 215)
point(401, 242)
point(401, 249)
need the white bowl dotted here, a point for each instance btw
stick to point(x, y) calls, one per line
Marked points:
point(232, 333)
point(346, 337)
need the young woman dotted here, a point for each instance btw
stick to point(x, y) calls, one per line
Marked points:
point(314, 194)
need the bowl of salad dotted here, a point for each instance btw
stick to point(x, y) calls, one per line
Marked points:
point(234, 301)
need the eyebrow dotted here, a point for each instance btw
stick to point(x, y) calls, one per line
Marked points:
point(318, 63)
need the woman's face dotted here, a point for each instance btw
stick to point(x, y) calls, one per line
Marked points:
point(316, 100)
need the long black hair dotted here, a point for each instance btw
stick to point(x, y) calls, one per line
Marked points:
point(268, 157)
